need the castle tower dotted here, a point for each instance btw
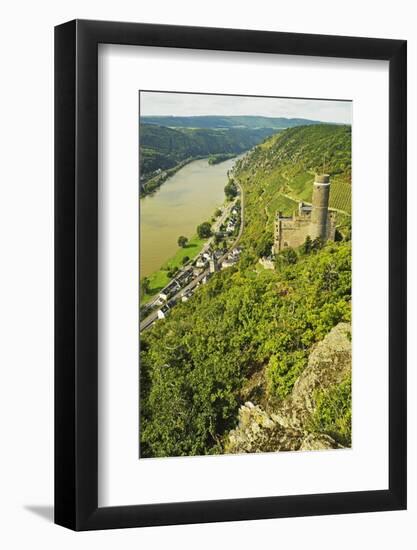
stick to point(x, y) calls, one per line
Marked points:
point(319, 213)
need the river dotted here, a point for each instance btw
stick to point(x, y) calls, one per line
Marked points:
point(185, 200)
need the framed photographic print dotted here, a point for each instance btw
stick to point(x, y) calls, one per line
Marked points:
point(230, 275)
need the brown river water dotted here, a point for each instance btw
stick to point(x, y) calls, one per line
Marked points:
point(185, 200)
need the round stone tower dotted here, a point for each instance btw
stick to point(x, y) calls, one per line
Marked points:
point(319, 212)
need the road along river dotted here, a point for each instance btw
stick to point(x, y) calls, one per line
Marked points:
point(184, 201)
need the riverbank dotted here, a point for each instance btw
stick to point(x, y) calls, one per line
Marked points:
point(186, 255)
point(160, 278)
point(186, 200)
point(153, 184)
point(184, 283)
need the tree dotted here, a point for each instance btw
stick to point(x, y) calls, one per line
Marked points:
point(217, 213)
point(317, 244)
point(286, 257)
point(217, 238)
point(185, 260)
point(182, 241)
point(264, 246)
point(306, 246)
point(145, 286)
point(172, 272)
point(204, 230)
point(230, 191)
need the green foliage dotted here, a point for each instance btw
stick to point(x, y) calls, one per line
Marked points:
point(185, 260)
point(217, 159)
point(286, 257)
point(264, 246)
point(283, 371)
point(182, 241)
point(305, 248)
point(230, 190)
point(195, 362)
point(333, 413)
point(316, 244)
point(144, 287)
point(204, 230)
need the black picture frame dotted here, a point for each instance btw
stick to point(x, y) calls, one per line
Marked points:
point(76, 272)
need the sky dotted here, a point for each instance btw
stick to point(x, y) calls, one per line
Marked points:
point(180, 104)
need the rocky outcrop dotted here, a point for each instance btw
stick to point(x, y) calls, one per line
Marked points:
point(259, 432)
point(287, 428)
point(317, 442)
point(328, 364)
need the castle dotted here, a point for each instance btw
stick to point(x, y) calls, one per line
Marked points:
point(313, 220)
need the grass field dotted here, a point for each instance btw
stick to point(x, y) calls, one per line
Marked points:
point(159, 279)
point(341, 195)
point(281, 204)
point(301, 188)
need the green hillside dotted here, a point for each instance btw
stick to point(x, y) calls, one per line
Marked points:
point(248, 333)
point(244, 323)
point(279, 172)
point(162, 148)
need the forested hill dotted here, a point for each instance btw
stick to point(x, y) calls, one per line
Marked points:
point(279, 172)
point(308, 148)
point(226, 121)
point(162, 148)
point(250, 333)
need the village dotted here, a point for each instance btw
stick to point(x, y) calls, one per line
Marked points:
point(220, 252)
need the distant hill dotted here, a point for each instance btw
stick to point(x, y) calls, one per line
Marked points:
point(226, 121)
point(162, 148)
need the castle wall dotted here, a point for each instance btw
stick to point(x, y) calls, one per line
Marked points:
point(290, 233)
point(319, 223)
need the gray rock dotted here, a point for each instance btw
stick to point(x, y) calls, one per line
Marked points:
point(287, 428)
point(318, 442)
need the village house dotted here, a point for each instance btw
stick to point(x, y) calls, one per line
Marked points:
point(169, 290)
point(165, 309)
point(232, 258)
point(185, 297)
point(184, 276)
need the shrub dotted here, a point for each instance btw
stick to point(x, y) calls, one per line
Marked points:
point(204, 230)
point(283, 371)
point(333, 413)
point(182, 241)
